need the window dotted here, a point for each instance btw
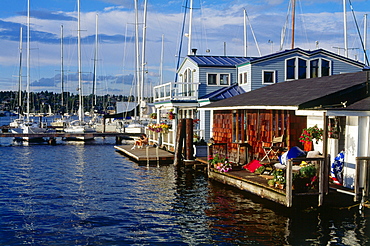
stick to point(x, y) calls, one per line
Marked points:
point(187, 87)
point(314, 68)
point(212, 79)
point(187, 76)
point(325, 67)
point(290, 69)
point(224, 79)
point(302, 69)
point(268, 77)
point(218, 79)
point(297, 68)
point(243, 79)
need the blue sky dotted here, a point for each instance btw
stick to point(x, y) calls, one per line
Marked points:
point(318, 24)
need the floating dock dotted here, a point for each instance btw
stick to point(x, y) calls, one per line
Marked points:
point(52, 135)
point(147, 154)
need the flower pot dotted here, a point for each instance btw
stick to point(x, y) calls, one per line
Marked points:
point(307, 146)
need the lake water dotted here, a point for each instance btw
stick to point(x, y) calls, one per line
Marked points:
point(89, 194)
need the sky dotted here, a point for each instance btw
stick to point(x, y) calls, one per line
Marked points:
point(217, 30)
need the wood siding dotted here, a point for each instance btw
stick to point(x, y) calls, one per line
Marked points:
point(255, 127)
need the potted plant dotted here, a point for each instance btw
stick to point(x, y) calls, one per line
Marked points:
point(201, 148)
point(171, 115)
point(279, 178)
point(153, 116)
point(271, 183)
point(308, 135)
point(305, 179)
point(220, 164)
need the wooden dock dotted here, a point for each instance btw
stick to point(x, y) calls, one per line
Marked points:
point(146, 155)
point(52, 135)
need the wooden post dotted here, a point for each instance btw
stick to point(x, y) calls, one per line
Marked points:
point(326, 167)
point(289, 184)
point(179, 141)
point(189, 151)
point(322, 180)
point(104, 123)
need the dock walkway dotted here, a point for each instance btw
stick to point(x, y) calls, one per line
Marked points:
point(50, 135)
point(147, 154)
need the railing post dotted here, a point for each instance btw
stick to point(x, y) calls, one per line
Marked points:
point(322, 179)
point(357, 180)
point(289, 184)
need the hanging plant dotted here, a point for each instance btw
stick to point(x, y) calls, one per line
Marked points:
point(311, 133)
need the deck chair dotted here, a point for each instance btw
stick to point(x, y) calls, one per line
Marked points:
point(273, 149)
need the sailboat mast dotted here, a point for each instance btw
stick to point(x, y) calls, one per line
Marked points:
point(161, 64)
point(245, 33)
point(137, 54)
point(95, 61)
point(365, 39)
point(61, 66)
point(28, 60)
point(80, 110)
point(293, 22)
point(345, 28)
point(143, 50)
point(20, 71)
point(190, 26)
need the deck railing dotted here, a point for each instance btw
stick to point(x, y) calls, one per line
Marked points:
point(176, 91)
point(161, 139)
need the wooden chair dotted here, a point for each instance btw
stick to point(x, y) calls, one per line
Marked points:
point(273, 149)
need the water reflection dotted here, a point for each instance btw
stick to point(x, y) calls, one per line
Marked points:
point(91, 195)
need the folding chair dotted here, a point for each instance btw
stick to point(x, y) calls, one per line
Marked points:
point(272, 151)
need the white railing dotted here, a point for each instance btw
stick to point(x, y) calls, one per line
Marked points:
point(176, 91)
point(161, 139)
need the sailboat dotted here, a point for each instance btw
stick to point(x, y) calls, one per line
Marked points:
point(135, 126)
point(80, 126)
point(29, 126)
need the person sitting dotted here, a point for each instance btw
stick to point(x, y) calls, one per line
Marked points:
point(143, 140)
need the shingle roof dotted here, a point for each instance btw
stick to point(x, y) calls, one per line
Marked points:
point(218, 61)
point(362, 105)
point(224, 93)
point(298, 92)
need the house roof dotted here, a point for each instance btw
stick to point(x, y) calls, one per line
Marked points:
point(224, 93)
point(218, 61)
point(303, 93)
point(361, 105)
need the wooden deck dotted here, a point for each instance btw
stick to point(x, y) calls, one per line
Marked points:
point(147, 154)
point(253, 183)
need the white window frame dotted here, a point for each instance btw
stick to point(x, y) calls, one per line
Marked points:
point(296, 67)
point(320, 59)
point(273, 77)
point(218, 79)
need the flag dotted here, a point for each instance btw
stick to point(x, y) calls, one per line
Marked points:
point(337, 168)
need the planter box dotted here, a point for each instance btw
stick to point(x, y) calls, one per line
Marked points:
point(201, 151)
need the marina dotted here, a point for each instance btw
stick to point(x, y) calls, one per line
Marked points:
point(235, 149)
